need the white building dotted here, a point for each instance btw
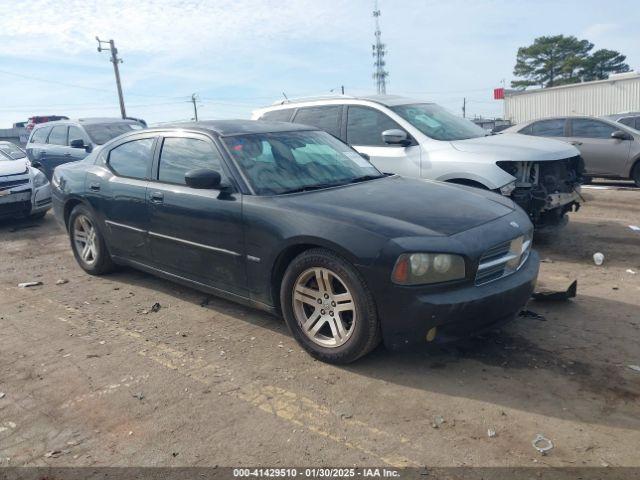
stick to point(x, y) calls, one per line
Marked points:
point(619, 93)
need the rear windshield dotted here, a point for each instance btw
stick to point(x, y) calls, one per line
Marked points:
point(12, 152)
point(102, 133)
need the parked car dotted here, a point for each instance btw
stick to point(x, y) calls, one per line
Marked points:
point(287, 218)
point(55, 143)
point(24, 190)
point(33, 121)
point(418, 139)
point(12, 150)
point(609, 149)
point(630, 119)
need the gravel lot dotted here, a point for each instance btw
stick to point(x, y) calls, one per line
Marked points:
point(92, 376)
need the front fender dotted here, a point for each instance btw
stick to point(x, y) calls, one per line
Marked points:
point(489, 175)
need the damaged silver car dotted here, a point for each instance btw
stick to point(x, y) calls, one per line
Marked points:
point(414, 138)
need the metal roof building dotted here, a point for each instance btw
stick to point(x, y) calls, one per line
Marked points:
point(619, 93)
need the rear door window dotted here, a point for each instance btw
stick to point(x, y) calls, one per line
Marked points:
point(58, 135)
point(132, 159)
point(587, 128)
point(181, 154)
point(278, 115)
point(325, 118)
point(365, 126)
point(629, 121)
point(548, 128)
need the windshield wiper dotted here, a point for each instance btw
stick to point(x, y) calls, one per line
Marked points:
point(365, 178)
point(308, 188)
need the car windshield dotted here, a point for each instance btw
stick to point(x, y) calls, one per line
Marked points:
point(435, 122)
point(288, 162)
point(103, 132)
point(11, 152)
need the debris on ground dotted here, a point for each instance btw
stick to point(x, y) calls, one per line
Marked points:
point(139, 396)
point(345, 415)
point(437, 421)
point(598, 258)
point(156, 307)
point(557, 295)
point(635, 368)
point(29, 284)
point(2, 395)
point(205, 301)
point(61, 281)
point(54, 453)
point(491, 433)
point(632, 272)
point(546, 260)
point(531, 314)
point(542, 444)
point(635, 228)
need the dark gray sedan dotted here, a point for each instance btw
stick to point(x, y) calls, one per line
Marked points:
point(289, 219)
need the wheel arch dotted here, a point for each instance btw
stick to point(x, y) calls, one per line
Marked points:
point(69, 205)
point(291, 251)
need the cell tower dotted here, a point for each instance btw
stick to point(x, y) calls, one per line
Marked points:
point(379, 51)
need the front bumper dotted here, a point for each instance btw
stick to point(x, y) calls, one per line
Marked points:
point(408, 313)
point(23, 201)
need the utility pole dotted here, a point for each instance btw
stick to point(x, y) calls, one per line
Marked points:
point(342, 88)
point(379, 51)
point(195, 106)
point(115, 60)
point(464, 107)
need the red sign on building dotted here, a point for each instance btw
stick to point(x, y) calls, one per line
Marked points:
point(498, 93)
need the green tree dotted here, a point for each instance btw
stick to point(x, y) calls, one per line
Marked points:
point(603, 63)
point(551, 61)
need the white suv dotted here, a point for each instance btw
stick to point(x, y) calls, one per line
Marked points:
point(418, 139)
point(24, 190)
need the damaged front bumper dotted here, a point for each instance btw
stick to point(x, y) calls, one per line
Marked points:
point(546, 190)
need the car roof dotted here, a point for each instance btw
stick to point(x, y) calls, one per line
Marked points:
point(386, 100)
point(88, 121)
point(238, 127)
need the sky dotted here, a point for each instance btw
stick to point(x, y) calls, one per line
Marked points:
point(238, 55)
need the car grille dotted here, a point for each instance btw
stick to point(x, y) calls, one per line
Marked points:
point(13, 183)
point(503, 259)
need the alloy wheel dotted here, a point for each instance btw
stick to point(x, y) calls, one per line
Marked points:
point(324, 307)
point(84, 237)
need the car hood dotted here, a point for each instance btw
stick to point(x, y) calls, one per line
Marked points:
point(13, 167)
point(397, 206)
point(517, 147)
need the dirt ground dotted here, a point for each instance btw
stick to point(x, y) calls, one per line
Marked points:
point(92, 376)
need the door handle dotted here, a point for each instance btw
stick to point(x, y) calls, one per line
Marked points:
point(157, 197)
point(94, 186)
point(576, 143)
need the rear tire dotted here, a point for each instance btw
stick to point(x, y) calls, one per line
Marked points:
point(635, 174)
point(329, 308)
point(87, 242)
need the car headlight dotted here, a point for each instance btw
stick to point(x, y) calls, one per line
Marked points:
point(39, 179)
point(508, 188)
point(425, 268)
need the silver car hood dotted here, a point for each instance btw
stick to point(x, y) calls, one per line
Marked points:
point(13, 167)
point(517, 147)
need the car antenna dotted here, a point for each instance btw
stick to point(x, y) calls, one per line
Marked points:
point(285, 97)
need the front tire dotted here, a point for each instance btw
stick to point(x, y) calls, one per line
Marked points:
point(87, 242)
point(328, 307)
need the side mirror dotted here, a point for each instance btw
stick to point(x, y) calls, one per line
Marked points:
point(77, 143)
point(202, 178)
point(620, 135)
point(395, 136)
